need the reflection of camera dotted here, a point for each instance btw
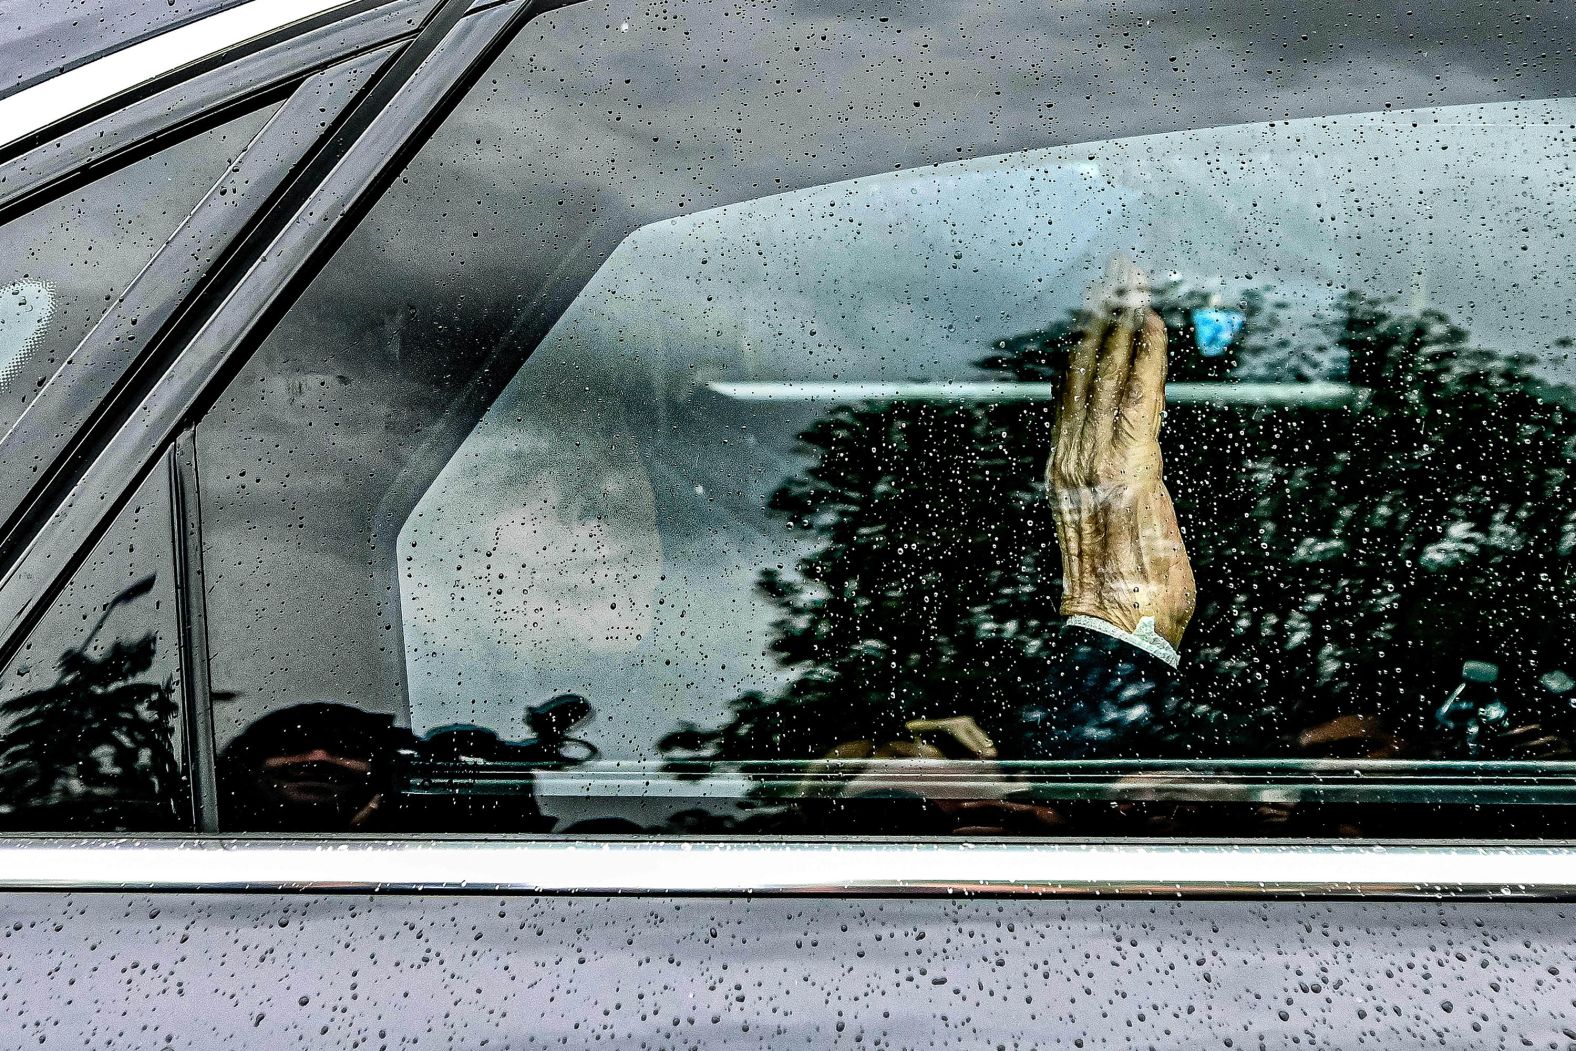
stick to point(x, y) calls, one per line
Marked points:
point(551, 747)
point(465, 778)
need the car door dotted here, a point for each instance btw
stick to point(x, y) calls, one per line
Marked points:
point(580, 568)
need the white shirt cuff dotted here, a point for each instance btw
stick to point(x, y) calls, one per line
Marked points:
point(1145, 637)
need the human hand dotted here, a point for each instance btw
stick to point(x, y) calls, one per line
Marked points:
point(1122, 552)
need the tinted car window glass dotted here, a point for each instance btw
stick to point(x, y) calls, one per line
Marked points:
point(690, 475)
point(67, 261)
point(90, 735)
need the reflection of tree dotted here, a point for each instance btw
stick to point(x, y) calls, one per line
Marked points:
point(94, 750)
point(1348, 559)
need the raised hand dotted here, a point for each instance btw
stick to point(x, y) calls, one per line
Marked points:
point(1122, 553)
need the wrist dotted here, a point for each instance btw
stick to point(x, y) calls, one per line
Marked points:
point(1144, 637)
point(1159, 590)
point(1123, 559)
point(1128, 618)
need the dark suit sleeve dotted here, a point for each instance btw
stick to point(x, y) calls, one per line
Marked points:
point(1102, 699)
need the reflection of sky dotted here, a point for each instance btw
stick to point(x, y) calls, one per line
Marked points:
point(604, 116)
point(89, 244)
point(910, 273)
point(900, 276)
point(600, 529)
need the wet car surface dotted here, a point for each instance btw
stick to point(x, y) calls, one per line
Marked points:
point(1002, 524)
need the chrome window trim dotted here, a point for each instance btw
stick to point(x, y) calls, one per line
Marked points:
point(37, 107)
point(710, 867)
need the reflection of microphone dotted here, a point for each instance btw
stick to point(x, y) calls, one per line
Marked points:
point(552, 720)
point(1214, 329)
point(1473, 710)
point(466, 744)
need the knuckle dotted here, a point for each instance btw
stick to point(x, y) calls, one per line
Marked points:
point(1061, 476)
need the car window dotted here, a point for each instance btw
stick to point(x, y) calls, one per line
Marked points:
point(65, 262)
point(724, 466)
point(90, 732)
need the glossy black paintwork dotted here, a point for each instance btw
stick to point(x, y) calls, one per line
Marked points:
point(87, 151)
point(44, 38)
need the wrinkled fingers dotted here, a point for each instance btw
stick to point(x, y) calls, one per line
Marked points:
point(1110, 380)
point(1144, 395)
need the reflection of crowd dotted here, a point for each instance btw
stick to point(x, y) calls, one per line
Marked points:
point(327, 768)
point(893, 786)
point(322, 767)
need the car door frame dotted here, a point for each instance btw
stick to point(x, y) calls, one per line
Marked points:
point(201, 348)
point(319, 77)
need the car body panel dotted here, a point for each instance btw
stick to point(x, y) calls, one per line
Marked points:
point(587, 944)
point(83, 151)
point(484, 971)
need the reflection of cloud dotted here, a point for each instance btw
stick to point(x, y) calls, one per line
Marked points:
point(582, 134)
point(567, 559)
point(688, 110)
point(907, 275)
point(535, 548)
point(536, 553)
